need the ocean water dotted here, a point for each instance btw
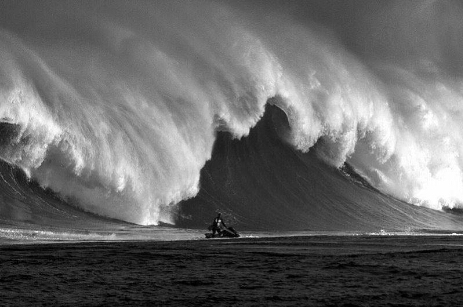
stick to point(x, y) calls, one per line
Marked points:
point(140, 120)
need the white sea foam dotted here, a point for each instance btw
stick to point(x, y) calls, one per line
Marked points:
point(118, 105)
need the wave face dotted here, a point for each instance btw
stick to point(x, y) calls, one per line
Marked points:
point(261, 182)
point(116, 107)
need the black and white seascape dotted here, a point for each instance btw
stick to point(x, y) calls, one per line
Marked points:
point(327, 133)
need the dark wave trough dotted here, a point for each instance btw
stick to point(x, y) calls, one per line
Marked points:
point(260, 182)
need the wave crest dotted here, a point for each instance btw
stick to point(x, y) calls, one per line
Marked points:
point(117, 106)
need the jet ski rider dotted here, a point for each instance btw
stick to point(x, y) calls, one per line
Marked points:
point(218, 225)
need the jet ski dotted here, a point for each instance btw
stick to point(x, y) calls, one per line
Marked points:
point(226, 232)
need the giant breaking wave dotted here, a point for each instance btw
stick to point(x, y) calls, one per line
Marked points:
point(116, 106)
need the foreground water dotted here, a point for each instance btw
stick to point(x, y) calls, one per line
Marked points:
point(367, 270)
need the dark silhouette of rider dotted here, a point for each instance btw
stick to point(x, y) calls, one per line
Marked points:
point(218, 225)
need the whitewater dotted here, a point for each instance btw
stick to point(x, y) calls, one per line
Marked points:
point(282, 115)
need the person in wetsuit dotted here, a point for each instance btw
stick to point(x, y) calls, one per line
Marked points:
point(218, 225)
